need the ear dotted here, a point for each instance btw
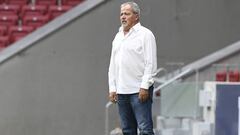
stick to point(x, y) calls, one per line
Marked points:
point(137, 17)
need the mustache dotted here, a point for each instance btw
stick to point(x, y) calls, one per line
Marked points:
point(123, 21)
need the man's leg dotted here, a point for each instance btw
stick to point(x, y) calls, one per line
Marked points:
point(143, 113)
point(128, 121)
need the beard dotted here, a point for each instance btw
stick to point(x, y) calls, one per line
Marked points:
point(125, 25)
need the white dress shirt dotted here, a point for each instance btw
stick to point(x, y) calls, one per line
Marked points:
point(133, 60)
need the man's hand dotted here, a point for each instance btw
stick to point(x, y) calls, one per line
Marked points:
point(113, 97)
point(143, 95)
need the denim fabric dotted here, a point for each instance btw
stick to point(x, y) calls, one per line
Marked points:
point(135, 114)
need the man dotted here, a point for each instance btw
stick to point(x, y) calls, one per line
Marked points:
point(132, 67)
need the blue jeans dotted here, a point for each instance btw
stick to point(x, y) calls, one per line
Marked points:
point(135, 114)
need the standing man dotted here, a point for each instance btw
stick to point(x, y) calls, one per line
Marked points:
point(132, 67)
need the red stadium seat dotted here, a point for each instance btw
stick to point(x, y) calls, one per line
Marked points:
point(18, 2)
point(46, 2)
point(234, 76)
point(33, 10)
point(8, 20)
point(9, 9)
point(71, 2)
point(221, 76)
point(55, 11)
point(2, 1)
point(3, 30)
point(4, 42)
point(35, 21)
point(18, 32)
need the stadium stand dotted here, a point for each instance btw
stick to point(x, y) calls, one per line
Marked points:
point(20, 17)
point(33, 10)
point(17, 2)
point(8, 20)
point(221, 76)
point(4, 42)
point(228, 76)
point(55, 10)
point(234, 76)
point(71, 2)
point(3, 30)
point(46, 2)
point(18, 32)
point(9, 9)
point(35, 21)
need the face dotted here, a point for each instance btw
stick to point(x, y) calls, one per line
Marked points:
point(128, 17)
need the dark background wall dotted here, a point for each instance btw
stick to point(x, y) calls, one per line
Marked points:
point(59, 85)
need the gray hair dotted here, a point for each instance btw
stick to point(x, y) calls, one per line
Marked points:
point(134, 6)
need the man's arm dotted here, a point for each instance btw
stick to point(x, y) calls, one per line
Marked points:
point(111, 74)
point(150, 61)
point(150, 53)
point(111, 79)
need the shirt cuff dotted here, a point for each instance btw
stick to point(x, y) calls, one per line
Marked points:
point(144, 85)
point(112, 89)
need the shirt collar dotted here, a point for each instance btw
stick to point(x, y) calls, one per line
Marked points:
point(136, 27)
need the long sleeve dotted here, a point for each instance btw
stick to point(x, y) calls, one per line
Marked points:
point(150, 61)
point(111, 73)
point(133, 61)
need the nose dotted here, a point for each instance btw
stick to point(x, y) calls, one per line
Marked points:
point(123, 17)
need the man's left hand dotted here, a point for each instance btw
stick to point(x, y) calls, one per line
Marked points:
point(143, 95)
